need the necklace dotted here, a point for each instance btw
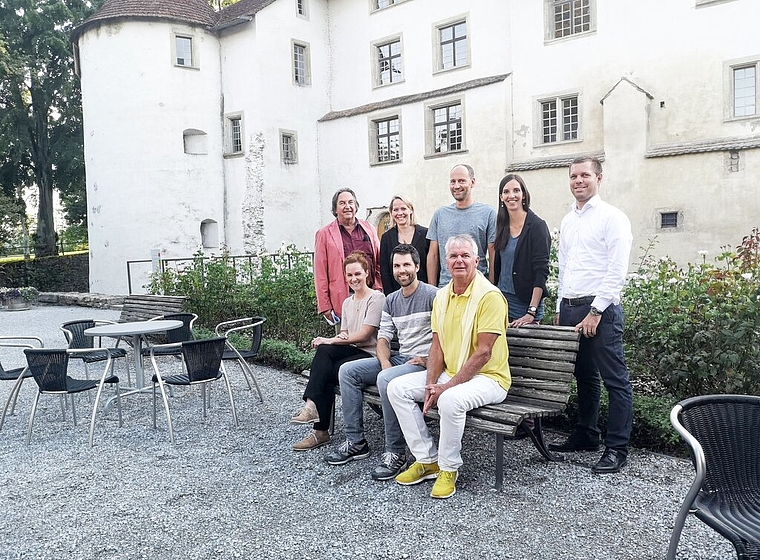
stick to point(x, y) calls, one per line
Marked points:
point(405, 236)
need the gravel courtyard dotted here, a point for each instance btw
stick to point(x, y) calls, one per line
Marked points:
point(225, 492)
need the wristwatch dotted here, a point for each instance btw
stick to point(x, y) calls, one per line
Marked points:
point(532, 310)
point(595, 312)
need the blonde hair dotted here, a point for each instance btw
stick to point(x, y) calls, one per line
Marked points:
point(412, 220)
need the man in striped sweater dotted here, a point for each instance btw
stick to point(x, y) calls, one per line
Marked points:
point(406, 315)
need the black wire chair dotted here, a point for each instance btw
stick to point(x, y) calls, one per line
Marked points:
point(49, 369)
point(174, 336)
point(249, 326)
point(77, 340)
point(723, 434)
point(202, 361)
point(16, 374)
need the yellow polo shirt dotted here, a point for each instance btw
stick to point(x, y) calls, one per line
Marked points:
point(490, 317)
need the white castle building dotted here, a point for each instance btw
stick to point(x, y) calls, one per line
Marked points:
point(207, 129)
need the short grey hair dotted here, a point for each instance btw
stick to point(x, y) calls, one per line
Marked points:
point(462, 239)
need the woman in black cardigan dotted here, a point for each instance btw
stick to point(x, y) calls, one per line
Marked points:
point(404, 230)
point(521, 266)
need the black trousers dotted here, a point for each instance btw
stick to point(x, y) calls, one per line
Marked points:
point(602, 356)
point(324, 377)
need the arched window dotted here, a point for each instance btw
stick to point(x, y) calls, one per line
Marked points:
point(210, 234)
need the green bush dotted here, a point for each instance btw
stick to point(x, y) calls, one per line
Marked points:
point(696, 330)
point(279, 287)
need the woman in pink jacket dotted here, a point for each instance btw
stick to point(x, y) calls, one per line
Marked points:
point(335, 242)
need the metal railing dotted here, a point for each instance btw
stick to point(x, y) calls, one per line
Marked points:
point(245, 265)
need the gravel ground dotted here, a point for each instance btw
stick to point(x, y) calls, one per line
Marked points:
point(223, 492)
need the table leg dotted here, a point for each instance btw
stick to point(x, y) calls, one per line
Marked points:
point(139, 381)
point(137, 345)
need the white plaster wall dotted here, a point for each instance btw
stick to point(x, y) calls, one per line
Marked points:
point(353, 30)
point(344, 143)
point(676, 52)
point(257, 79)
point(424, 180)
point(143, 191)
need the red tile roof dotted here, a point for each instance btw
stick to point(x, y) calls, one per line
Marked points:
point(190, 11)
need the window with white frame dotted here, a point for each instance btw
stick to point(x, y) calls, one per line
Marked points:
point(567, 18)
point(233, 134)
point(559, 119)
point(744, 88)
point(288, 147)
point(385, 136)
point(444, 126)
point(302, 8)
point(301, 64)
point(183, 51)
point(389, 62)
point(382, 4)
point(452, 45)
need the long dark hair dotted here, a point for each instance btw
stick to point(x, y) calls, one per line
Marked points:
point(502, 217)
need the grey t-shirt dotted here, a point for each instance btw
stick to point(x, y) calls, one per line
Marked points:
point(479, 220)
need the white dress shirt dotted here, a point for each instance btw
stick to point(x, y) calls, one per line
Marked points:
point(594, 248)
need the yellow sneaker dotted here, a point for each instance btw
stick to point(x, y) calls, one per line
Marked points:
point(418, 472)
point(446, 485)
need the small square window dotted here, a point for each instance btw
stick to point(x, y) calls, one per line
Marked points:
point(668, 220)
point(389, 67)
point(453, 49)
point(301, 64)
point(184, 51)
point(551, 110)
point(567, 18)
point(444, 128)
point(288, 147)
point(386, 139)
point(382, 4)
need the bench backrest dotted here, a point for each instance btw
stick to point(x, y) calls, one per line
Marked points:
point(542, 361)
point(146, 306)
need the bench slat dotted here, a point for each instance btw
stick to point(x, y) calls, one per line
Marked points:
point(549, 375)
point(147, 306)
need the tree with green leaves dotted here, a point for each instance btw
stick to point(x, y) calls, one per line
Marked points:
point(41, 139)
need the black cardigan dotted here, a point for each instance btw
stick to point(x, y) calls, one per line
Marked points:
point(531, 267)
point(388, 242)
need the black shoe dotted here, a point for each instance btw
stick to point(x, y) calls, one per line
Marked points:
point(348, 451)
point(611, 462)
point(391, 464)
point(574, 443)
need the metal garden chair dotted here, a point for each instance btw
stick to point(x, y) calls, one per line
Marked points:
point(202, 361)
point(723, 434)
point(16, 374)
point(74, 333)
point(49, 369)
point(249, 326)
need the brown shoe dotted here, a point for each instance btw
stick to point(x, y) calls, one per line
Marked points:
point(307, 415)
point(315, 439)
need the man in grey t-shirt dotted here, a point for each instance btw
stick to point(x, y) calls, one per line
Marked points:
point(464, 216)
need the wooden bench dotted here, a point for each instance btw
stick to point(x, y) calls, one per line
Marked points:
point(541, 361)
point(147, 306)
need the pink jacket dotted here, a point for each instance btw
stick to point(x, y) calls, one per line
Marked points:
point(329, 280)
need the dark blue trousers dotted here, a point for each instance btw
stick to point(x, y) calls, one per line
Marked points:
point(602, 355)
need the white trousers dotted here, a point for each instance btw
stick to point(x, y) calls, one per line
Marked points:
point(404, 392)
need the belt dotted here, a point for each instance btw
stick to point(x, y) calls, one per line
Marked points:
point(585, 300)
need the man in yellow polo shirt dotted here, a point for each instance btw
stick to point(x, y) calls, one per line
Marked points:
point(467, 368)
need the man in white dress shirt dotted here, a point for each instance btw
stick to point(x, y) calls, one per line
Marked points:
point(594, 248)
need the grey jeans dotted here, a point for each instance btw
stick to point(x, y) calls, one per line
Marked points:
point(353, 377)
